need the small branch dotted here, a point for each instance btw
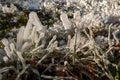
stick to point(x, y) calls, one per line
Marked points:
point(22, 72)
point(44, 57)
point(58, 77)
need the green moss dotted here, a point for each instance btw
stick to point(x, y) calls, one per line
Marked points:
point(22, 20)
point(1, 45)
point(6, 23)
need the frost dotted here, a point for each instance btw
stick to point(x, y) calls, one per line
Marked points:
point(77, 41)
point(77, 18)
point(32, 22)
point(85, 31)
point(65, 21)
point(6, 9)
point(66, 32)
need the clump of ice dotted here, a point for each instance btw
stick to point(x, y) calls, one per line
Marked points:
point(65, 21)
point(10, 9)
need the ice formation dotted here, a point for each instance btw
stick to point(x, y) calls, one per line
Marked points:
point(6, 9)
point(67, 32)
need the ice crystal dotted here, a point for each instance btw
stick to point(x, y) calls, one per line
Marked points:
point(65, 21)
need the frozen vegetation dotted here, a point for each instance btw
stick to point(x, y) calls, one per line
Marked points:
point(60, 40)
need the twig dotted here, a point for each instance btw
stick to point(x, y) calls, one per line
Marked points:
point(6, 69)
point(99, 65)
point(58, 77)
point(109, 42)
point(24, 69)
point(44, 57)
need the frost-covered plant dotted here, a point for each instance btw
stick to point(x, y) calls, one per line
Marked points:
point(73, 36)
